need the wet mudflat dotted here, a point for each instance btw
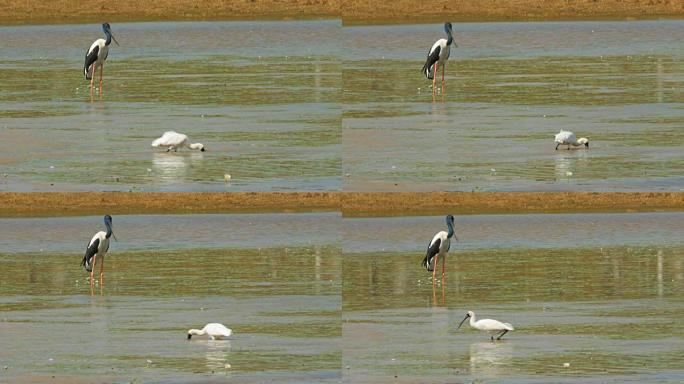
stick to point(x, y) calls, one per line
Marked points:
point(606, 304)
point(510, 87)
point(280, 294)
point(262, 100)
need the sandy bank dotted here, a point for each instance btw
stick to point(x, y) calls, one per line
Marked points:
point(349, 203)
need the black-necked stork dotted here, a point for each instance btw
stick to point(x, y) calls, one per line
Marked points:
point(439, 247)
point(173, 140)
point(438, 55)
point(97, 54)
point(97, 249)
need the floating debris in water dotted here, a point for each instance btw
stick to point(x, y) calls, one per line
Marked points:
point(227, 366)
point(568, 173)
point(149, 361)
point(493, 170)
point(227, 177)
point(149, 169)
point(566, 365)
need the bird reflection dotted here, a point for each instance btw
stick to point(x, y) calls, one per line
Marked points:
point(173, 166)
point(491, 359)
point(217, 354)
point(566, 163)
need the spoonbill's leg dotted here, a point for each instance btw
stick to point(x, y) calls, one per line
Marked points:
point(434, 79)
point(101, 70)
point(443, 83)
point(501, 335)
point(557, 146)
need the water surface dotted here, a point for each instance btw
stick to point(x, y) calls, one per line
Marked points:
point(510, 88)
point(262, 100)
point(606, 300)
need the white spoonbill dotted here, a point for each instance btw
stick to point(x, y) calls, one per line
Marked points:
point(97, 249)
point(439, 247)
point(215, 330)
point(568, 138)
point(96, 56)
point(438, 55)
point(492, 327)
point(173, 140)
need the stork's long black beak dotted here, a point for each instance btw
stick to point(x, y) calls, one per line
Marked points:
point(113, 38)
point(462, 321)
point(114, 236)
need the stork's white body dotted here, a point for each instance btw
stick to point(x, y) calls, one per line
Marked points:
point(102, 248)
point(215, 331)
point(103, 51)
point(444, 50)
point(173, 140)
point(444, 244)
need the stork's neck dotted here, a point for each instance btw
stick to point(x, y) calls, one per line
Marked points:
point(451, 230)
point(109, 231)
point(109, 38)
point(450, 39)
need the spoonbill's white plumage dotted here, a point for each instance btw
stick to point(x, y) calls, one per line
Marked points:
point(438, 55)
point(96, 56)
point(568, 138)
point(215, 330)
point(439, 247)
point(174, 140)
point(492, 327)
point(97, 249)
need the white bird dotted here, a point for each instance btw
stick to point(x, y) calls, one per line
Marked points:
point(173, 140)
point(97, 249)
point(438, 55)
point(96, 56)
point(568, 138)
point(215, 330)
point(439, 247)
point(492, 327)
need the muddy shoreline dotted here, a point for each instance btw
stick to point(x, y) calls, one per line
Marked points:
point(351, 204)
point(351, 12)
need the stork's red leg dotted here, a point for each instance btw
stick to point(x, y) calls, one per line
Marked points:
point(434, 78)
point(92, 77)
point(434, 269)
point(101, 272)
point(101, 70)
point(443, 83)
point(443, 260)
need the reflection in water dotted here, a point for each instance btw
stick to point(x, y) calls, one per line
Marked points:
point(173, 167)
point(566, 163)
point(490, 358)
point(217, 354)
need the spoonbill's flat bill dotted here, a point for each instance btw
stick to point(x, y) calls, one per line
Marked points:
point(215, 330)
point(439, 247)
point(97, 249)
point(492, 327)
point(173, 140)
point(568, 138)
point(96, 56)
point(438, 55)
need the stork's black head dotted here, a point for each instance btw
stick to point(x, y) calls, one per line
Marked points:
point(106, 28)
point(447, 28)
point(450, 219)
point(108, 219)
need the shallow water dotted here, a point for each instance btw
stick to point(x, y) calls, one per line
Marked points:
point(608, 305)
point(281, 297)
point(260, 97)
point(510, 88)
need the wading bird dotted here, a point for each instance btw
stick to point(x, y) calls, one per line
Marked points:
point(439, 247)
point(215, 330)
point(97, 249)
point(492, 327)
point(173, 140)
point(438, 55)
point(568, 138)
point(96, 56)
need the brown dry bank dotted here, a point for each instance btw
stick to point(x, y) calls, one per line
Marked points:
point(411, 11)
point(351, 11)
point(351, 204)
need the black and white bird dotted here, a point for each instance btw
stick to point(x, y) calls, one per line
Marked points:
point(439, 247)
point(97, 249)
point(438, 55)
point(97, 54)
